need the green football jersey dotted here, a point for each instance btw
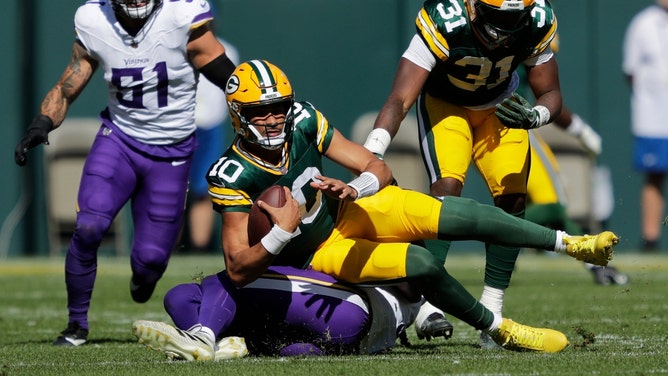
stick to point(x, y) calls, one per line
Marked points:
point(238, 178)
point(466, 72)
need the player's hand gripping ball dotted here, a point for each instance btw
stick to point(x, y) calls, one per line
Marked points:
point(259, 221)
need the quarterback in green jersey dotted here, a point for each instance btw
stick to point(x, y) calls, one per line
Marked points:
point(360, 231)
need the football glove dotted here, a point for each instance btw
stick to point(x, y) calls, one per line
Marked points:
point(37, 133)
point(516, 112)
point(589, 139)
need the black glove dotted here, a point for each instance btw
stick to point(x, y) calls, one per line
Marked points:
point(37, 133)
point(517, 112)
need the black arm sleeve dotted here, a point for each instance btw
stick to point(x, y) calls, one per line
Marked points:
point(218, 70)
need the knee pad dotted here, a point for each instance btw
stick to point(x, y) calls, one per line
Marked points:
point(90, 229)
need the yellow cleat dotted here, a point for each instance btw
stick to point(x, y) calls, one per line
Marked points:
point(594, 249)
point(518, 337)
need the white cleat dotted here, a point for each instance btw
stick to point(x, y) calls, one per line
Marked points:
point(191, 344)
point(231, 348)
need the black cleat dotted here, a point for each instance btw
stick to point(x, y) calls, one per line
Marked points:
point(73, 335)
point(141, 293)
point(435, 325)
point(607, 275)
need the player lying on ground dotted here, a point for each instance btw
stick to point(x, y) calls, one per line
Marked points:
point(287, 311)
point(359, 232)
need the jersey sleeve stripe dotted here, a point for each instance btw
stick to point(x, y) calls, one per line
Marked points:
point(323, 125)
point(228, 197)
point(201, 19)
point(309, 286)
point(434, 39)
point(545, 42)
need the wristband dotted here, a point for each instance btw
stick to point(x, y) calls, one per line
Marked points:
point(366, 184)
point(543, 115)
point(275, 240)
point(42, 122)
point(378, 141)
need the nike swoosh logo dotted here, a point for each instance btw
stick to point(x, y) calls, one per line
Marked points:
point(177, 163)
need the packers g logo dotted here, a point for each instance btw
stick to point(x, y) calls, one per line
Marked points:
point(232, 84)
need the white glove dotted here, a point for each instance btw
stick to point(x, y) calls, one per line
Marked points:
point(587, 136)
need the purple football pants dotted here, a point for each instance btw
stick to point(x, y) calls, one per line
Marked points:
point(117, 171)
point(287, 311)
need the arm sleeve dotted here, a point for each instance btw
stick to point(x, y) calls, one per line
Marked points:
point(218, 70)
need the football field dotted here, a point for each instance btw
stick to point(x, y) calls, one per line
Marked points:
point(613, 330)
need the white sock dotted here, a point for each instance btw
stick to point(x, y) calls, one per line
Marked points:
point(492, 299)
point(560, 246)
point(427, 309)
point(495, 324)
point(208, 333)
point(423, 313)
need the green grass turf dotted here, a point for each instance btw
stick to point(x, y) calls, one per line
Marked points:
point(613, 330)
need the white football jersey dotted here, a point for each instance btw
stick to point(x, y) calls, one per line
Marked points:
point(150, 79)
point(646, 60)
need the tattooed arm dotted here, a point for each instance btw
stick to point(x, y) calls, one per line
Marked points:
point(57, 101)
point(74, 79)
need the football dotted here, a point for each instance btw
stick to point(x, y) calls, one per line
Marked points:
point(259, 222)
